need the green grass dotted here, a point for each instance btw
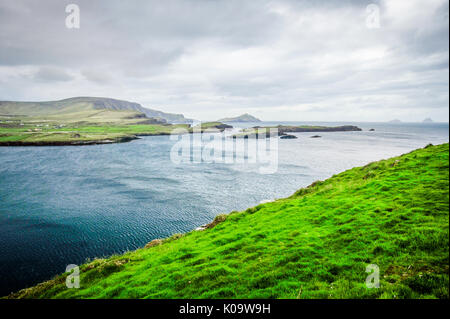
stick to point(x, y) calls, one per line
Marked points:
point(130, 129)
point(90, 109)
point(39, 132)
point(38, 123)
point(314, 244)
point(210, 124)
point(71, 133)
point(210, 127)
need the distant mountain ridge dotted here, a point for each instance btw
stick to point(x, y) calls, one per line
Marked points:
point(78, 104)
point(242, 118)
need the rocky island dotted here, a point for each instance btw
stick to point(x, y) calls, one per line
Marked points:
point(282, 130)
point(242, 118)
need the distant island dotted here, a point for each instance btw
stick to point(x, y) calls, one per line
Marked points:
point(282, 130)
point(428, 120)
point(395, 121)
point(242, 118)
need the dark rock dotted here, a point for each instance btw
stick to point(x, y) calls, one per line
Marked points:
point(316, 136)
point(154, 242)
point(223, 126)
point(217, 220)
point(343, 128)
point(287, 136)
point(372, 129)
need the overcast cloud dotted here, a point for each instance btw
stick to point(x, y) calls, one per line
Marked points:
point(278, 60)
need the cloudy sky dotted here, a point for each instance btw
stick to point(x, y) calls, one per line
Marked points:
point(278, 60)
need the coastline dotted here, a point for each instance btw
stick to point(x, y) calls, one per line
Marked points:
point(205, 128)
point(124, 139)
point(68, 139)
point(186, 251)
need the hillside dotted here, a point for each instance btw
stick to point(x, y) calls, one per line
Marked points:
point(81, 121)
point(82, 108)
point(314, 244)
point(242, 118)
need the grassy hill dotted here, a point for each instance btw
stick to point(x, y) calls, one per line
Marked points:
point(314, 244)
point(83, 109)
point(80, 121)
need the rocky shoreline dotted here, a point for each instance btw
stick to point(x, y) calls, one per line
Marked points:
point(282, 133)
point(124, 139)
point(282, 130)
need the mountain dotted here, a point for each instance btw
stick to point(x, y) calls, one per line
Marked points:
point(83, 105)
point(242, 118)
point(318, 243)
point(428, 120)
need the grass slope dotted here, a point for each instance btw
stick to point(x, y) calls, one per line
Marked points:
point(82, 108)
point(314, 244)
point(70, 133)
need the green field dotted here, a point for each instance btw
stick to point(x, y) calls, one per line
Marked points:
point(315, 244)
point(80, 120)
point(40, 133)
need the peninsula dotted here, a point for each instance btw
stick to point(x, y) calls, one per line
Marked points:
point(282, 130)
point(85, 121)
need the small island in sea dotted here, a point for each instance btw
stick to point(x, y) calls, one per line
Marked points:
point(242, 118)
point(282, 130)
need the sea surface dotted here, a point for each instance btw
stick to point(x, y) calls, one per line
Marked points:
point(62, 205)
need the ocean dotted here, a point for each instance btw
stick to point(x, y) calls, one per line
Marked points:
point(63, 205)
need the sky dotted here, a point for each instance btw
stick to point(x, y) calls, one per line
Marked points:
point(279, 60)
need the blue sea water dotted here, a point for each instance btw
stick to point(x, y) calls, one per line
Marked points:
point(62, 205)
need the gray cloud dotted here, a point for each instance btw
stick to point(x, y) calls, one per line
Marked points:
point(97, 76)
point(208, 59)
point(51, 74)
